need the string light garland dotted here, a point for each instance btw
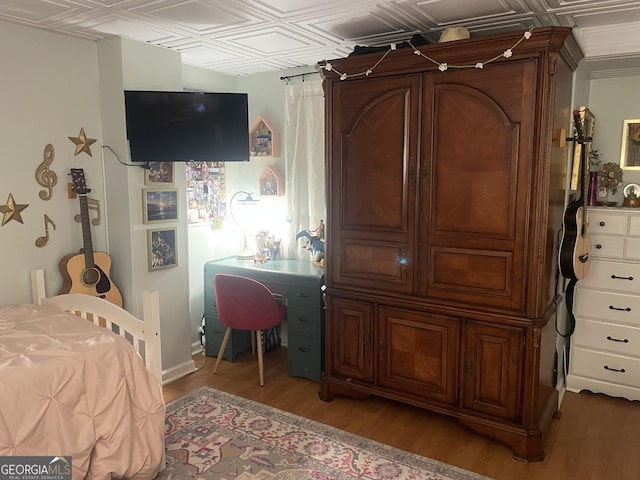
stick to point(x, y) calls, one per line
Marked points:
point(442, 66)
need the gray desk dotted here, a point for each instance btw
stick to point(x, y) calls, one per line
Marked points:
point(299, 282)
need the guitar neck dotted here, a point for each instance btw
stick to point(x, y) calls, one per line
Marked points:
point(582, 141)
point(86, 232)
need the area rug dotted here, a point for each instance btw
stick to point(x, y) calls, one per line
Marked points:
point(216, 435)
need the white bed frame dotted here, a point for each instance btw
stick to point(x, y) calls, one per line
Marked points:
point(144, 335)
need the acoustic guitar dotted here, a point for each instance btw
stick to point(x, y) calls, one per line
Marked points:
point(88, 271)
point(575, 250)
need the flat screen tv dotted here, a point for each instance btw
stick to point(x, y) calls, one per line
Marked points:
point(185, 126)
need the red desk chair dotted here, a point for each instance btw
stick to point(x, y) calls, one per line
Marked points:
point(246, 304)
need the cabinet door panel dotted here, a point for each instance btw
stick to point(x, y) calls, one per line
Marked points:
point(372, 178)
point(478, 151)
point(418, 353)
point(349, 338)
point(494, 358)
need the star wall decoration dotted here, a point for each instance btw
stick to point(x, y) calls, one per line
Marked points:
point(82, 143)
point(12, 210)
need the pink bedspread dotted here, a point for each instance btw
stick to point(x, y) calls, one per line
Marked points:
point(68, 387)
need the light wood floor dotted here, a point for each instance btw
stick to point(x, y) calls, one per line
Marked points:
point(596, 438)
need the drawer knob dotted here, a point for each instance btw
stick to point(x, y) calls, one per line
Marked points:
point(619, 370)
point(599, 246)
point(611, 339)
point(304, 349)
point(302, 295)
point(616, 277)
point(602, 224)
point(628, 309)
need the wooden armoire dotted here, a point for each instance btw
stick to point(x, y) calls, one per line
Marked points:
point(445, 191)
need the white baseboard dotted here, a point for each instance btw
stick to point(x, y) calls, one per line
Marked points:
point(196, 348)
point(178, 371)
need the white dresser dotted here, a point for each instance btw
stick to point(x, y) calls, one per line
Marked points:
point(605, 347)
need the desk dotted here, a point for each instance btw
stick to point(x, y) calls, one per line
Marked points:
point(299, 282)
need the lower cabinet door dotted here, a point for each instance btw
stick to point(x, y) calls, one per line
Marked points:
point(349, 332)
point(493, 369)
point(418, 353)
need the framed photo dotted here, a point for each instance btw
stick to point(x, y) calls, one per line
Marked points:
point(159, 173)
point(159, 205)
point(630, 151)
point(162, 248)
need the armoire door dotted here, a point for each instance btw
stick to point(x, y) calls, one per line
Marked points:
point(477, 148)
point(349, 335)
point(418, 353)
point(493, 363)
point(372, 178)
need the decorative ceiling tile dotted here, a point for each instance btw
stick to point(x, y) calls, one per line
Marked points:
point(240, 37)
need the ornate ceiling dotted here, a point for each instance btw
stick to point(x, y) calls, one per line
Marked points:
point(242, 37)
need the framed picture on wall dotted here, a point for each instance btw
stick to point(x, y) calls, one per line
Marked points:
point(630, 151)
point(162, 248)
point(159, 205)
point(159, 173)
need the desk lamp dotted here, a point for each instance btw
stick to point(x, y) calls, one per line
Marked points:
point(245, 253)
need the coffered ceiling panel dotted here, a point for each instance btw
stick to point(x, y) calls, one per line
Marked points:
point(241, 37)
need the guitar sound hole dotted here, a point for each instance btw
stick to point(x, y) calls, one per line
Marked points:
point(90, 277)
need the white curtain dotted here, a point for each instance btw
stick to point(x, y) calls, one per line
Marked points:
point(304, 157)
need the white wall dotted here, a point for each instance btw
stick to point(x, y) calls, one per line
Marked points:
point(51, 86)
point(130, 65)
point(49, 89)
point(266, 94)
point(612, 100)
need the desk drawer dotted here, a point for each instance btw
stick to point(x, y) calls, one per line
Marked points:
point(303, 296)
point(606, 367)
point(305, 357)
point(303, 320)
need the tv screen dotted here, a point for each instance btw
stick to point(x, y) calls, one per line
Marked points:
point(185, 126)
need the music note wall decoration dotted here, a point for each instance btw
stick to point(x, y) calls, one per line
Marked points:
point(92, 204)
point(42, 241)
point(44, 176)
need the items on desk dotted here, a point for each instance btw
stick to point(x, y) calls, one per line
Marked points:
point(267, 247)
point(314, 242)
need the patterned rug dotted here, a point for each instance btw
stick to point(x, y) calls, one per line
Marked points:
point(216, 435)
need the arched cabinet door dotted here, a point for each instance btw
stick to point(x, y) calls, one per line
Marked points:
point(478, 151)
point(372, 178)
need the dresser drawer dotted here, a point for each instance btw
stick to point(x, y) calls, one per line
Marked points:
point(618, 339)
point(610, 223)
point(611, 368)
point(634, 224)
point(611, 246)
point(622, 277)
point(609, 306)
point(632, 248)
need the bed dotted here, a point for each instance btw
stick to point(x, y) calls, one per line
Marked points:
point(74, 383)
